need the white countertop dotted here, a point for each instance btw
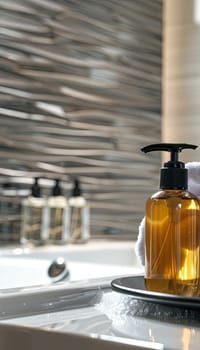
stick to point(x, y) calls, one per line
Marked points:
point(90, 306)
point(94, 309)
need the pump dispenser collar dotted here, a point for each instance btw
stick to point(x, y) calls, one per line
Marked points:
point(173, 175)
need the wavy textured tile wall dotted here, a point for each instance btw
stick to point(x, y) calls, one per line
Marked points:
point(79, 95)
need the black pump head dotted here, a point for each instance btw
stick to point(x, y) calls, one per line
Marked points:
point(173, 148)
point(56, 190)
point(76, 192)
point(173, 174)
point(35, 189)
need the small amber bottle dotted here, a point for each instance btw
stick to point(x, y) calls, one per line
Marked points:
point(172, 237)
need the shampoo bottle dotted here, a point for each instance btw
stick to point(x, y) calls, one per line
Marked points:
point(172, 237)
point(58, 213)
point(34, 229)
point(79, 216)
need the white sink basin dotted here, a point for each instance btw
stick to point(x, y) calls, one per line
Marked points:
point(22, 267)
point(80, 312)
point(51, 317)
point(98, 252)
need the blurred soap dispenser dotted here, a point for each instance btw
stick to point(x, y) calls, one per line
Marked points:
point(34, 228)
point(172, 237)
point(79, 216)
point(58, 213)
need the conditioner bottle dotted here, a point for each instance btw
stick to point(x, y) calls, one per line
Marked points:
point(34, 230)
point(172, 237)
point(58, 216)
point(79, 216)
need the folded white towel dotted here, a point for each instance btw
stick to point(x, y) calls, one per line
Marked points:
point(193, 187)
point(139, 246)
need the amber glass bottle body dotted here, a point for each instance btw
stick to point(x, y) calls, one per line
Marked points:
point(172, 253)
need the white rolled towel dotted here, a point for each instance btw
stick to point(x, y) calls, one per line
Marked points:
point(193, 187)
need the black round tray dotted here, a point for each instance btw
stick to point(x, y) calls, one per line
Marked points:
point(135, 287)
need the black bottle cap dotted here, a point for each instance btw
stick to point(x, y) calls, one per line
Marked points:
point(35, 189)
point(174, 175)
point(76, 192)
point(56, 190)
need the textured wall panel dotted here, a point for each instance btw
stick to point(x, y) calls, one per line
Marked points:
point(79, 95)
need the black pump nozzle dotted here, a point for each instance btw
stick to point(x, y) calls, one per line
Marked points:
point(35, 189)
point(173, 175)
point(76, 192)
point(56, 190)
point(173, 148)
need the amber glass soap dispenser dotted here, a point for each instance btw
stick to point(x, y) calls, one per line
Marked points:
point(172, 237)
